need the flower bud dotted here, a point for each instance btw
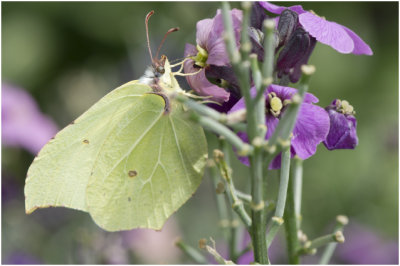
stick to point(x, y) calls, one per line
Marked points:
point(288, 21)
point(257, 16)
point(293, 51)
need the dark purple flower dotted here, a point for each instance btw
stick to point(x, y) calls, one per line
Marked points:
point(210, 51)
point(311, 127)
point(296, 42)
point(257, 16)
point(23, 125)
point(294, 54)
point(287, 24)
point(337, 36)
point(343, 126)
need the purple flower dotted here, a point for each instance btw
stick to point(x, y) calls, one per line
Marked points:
point(343, 126)
point(23, 125)
point(311, 127)
point(337, 36)
point(210, 51)
point(364, 246)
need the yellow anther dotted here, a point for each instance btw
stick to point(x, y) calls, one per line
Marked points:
point(345, 104)
point(276, 104)
point(345, 107)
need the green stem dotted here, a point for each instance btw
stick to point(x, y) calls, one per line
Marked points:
point(298, 183)
point(192, 253)
point(259, 103)
point(202, 109)
point(276, 224)
point(233, 239)
point(231, 137)
point(242, 69)
point(217, 256)
point(311, 246)
point(232, 120)
point(269, 48)
point(277, 220)
point(224, 222)
point(284, 181)
point(237, 205)
point(341, 221)
point(258, 210)
point(291, 226)
point(243, 196)
point(269, 52)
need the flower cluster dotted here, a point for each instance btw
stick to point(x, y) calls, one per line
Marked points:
point(296, 33)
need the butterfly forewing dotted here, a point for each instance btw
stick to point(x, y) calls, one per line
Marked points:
point(59, 174)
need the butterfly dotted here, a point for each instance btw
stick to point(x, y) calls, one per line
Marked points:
point(130, 161)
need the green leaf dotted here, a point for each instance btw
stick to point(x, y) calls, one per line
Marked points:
point(125, 161)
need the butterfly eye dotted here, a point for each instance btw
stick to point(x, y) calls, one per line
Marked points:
point(160, 69)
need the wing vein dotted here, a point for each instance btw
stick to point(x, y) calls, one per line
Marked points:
point(180, 152)
point(134, 144)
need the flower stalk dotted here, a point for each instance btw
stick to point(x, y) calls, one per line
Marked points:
point(237, 204)
point(234, 225)
point(224, 222)
point(341, 221)
point(298, 184)
point(258, 229)
point(191, 252)
point(291, 225)
point(277, 220)
point(310, 246)
point(232, 138)
point(268, 64)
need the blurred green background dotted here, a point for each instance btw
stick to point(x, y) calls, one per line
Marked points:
point(68, 55)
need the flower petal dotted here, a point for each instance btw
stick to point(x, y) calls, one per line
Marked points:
point(287, 93)
point(278, 9)
point(327, 32)
point(217, 54)
point(190, 50)
point(311, 128)
point(360, 47)
point(203, 29)
point(342, 132)
point(199, 83)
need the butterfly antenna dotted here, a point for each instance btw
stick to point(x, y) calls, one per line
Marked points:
point(147, 32)
point(163, 40)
